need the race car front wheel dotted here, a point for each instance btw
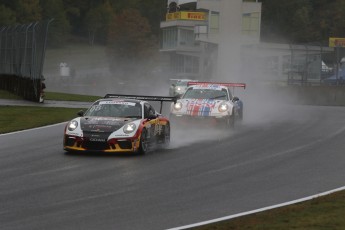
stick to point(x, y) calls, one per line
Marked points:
point(230, 121)
point(144, 143)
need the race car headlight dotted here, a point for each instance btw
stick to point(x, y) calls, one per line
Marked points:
point(178, 88)
point(128, 128)
point(178, 106)
point(72, 125)
point(223, 107)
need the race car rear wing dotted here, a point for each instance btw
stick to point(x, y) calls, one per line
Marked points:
point(243, 85)
point(181, 79)
point(143, 98)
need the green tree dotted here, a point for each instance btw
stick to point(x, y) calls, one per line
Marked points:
point(154, 11)
point(20, 11)
point(28, 11)
point(120, 5)
point(301, 25)
point(287, 21)
point(7, 16)
point(130, 44)
point(337, 28)
point(75, 12)
point(302, 21)
point(59, 29)
point(97, 21)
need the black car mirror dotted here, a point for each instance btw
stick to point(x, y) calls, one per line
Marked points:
point(80, 113)
point(152, 116)
point(235, 99)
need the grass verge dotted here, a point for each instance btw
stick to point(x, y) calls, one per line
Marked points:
point(54, 96)
point(323, 213)
point(70, 97)
point(15, 118)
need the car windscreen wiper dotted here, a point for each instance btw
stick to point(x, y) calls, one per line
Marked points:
point(212, 98)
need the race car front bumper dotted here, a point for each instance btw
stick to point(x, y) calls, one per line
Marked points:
point(74, 143)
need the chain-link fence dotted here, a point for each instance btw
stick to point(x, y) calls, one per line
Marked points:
point(290, 64)
point(22, 52)
point(308, 64)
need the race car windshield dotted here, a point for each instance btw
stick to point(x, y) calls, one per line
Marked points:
point(205, 94)
point(115, 109)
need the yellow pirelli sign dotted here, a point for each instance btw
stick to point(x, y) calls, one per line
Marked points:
point(336, 42)
point(186, 15)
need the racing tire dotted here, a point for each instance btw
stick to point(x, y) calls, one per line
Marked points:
point(173, 121)
point(230, 121)
point(240, 113)
point(166, 136)
point(144, 143)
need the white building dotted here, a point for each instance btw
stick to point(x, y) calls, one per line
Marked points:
point(220, 39)
point(204, 37)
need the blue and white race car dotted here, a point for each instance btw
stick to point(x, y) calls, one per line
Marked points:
point(206, 103)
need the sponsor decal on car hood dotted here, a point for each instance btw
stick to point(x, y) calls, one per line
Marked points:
point(102, 124)
point(200, 107)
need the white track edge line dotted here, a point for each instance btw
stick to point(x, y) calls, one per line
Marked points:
point(259, 210)
point(225, 217)
point(26, 130)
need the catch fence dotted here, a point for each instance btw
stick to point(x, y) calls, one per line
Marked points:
point(289, 64)
point(22, 53)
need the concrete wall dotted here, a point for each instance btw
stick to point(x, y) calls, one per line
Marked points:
point(315, 95)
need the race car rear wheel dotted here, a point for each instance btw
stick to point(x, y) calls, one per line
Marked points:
point(166, 140)
point(240, 113)
point(144, 143)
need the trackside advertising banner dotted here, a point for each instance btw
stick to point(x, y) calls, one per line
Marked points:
point(336, 42)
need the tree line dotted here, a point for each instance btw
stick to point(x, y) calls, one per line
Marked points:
point(89, 19)
point(302, 21)
point(293, 21)
point(130, 28)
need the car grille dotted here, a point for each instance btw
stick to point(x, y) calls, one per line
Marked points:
point(103, 135)
point(96, 140)
point(69, 141)
point(126, 144)
point(95, 145)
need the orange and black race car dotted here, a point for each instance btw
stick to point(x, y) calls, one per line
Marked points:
point(119, 123)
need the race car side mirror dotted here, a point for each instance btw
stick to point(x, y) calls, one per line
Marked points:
point(80, 113)
point(235, 99)
point(152, 116)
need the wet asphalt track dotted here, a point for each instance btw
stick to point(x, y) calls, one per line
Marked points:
point(271, 158)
